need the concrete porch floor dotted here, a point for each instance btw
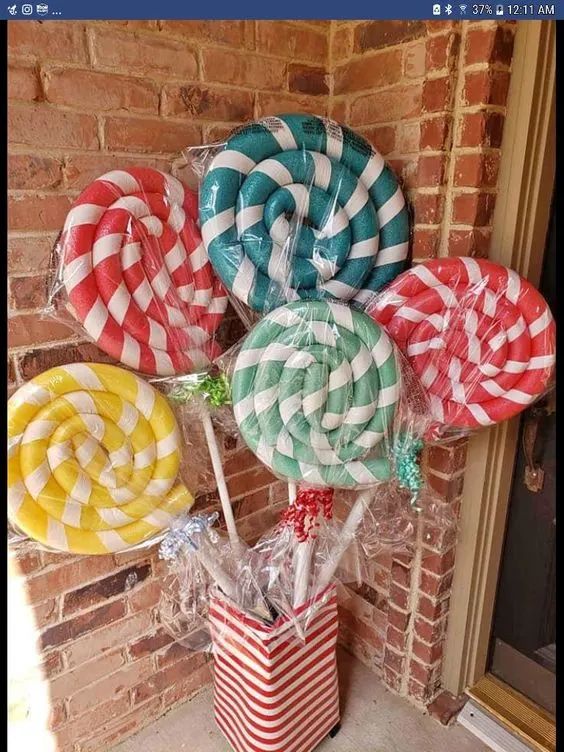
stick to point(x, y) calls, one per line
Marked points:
point(373, 720)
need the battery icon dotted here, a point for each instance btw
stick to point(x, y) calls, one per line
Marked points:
point(499, 10)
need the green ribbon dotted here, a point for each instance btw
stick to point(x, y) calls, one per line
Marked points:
point(406, 452)
point(213, 389)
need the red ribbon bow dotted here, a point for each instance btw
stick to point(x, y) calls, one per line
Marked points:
point(304, 512)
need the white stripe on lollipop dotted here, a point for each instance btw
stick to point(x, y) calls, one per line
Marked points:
point(118, 304)
point(124, 181)
point(84, 375)
point(96, 318)
point(391, 208)
point(83, 214)
point(244, 280)
point(130, 351)
point(72, 513)
point(248, 216)
point(218, 224)
point(541, 323)
point(374, 168)
point(56, 535)
point(392, 254)
point(281, 132)
point(233, 160)
point(323, 169)
point(77, 270)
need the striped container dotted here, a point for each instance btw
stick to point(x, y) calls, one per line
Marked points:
point(272, 691)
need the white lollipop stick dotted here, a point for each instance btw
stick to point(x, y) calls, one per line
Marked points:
point(212, 567)
point(302, 559)
point(345, 539)
point(226, 507)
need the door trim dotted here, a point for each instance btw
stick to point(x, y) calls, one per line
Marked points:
point(520, 226)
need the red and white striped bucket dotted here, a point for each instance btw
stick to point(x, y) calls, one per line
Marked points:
point(272, 691)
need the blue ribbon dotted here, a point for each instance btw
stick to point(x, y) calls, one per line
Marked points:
point(185, 533)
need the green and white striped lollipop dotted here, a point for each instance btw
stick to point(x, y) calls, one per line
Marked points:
point(315, 389)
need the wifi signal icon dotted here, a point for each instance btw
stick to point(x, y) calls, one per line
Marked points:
point(463, 9)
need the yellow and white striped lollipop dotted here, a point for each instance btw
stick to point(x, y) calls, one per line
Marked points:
point(93, 459)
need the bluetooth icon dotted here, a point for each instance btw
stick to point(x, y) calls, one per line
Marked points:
point(448, 9)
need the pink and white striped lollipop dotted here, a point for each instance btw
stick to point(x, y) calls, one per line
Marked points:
point(137, 275)
point(480, 337)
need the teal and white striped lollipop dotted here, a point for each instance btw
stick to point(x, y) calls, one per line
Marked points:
point(298, 207)
point(315, 389)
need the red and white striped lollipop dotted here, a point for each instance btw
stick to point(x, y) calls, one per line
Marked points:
point(480, 337)
point(137, 275)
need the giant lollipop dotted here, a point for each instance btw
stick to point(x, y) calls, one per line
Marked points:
point(137, 275)
point(315, 388)
point(354, 229)
point(480, 337)
point(93, 459)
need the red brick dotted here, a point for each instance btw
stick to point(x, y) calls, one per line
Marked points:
point(96, 721)
point(425, 243)
point(184, 689)
point(342, 43)
point(476, 170)
point(307, 79)
point(251, 503)
point(447, 459)
point(376, 34)
point(368, 72)
point(491, 45)
point(291, 42)
point(486, 87)
point(435, 586)
point(428, 208)
point(474, 243)
point(143, 54)
point(396, 103)
point(28, 172)
point(37, 213)
point(232, 33)
point(103, 92)
point(427, 653)
point(414, 60)
point(431, 609)
point(242, 69)
point(394, 661)
point(27, 292)
point(110, 686)
point(438, 563)
point(23, 83)
point(446, 706)
point(339, 110)
point(34, 362)
point(145, 597)
point(401, 575)
point(430, 171)
point(473, 209)
point(252, 479)
point(423, 673)
point(399, 597)
point(26, 254)
point(72, 573)
point(60, 40)
point(57, 715)
point(396, 638)
point(438, 537)
point(52, 664)
point(105, 639)
point(408, 137)
point(177, 652)
point(167, 677)
point(73, 628)
point(392, 679)
point(398, 619)
point(208, 103)
point(448, 488)
point(72, 681)
point(26, 560)
point(46, 613)
point(123, 727)
point(44, 127)
point(149, 135)
point(481, 129)
point(430, 632)
point(437, 27)
point(101, 590)
point(382, 138)
point(149, 644)
point(435, 133)
point(436, 94)
point(29, 329)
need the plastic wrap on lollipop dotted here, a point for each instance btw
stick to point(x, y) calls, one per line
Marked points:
point(480, 338)
point(299, 207)
point(130, 270)
point(94, 461)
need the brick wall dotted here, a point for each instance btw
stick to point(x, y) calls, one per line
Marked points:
point(431, 97)
point(87, 97)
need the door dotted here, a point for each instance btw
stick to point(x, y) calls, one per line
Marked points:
point(523, 644)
